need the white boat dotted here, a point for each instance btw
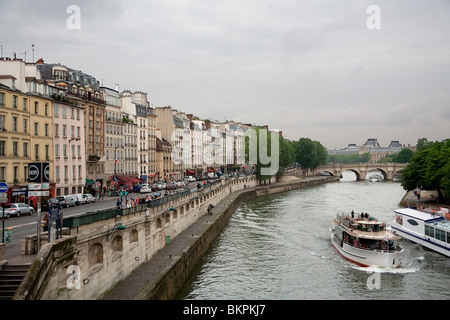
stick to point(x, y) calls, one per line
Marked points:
point(365, 242)
point(428, 229)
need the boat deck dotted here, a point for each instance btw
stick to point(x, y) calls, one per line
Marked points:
point(364, 228)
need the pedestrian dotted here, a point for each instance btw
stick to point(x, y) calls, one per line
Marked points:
point(209, 211)
point(44, 222)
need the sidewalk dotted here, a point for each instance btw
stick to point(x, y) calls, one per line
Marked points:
point(14, 256)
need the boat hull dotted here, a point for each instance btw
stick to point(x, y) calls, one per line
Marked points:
point(367, 258)
point(420, 239)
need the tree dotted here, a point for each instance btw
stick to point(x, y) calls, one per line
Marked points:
point(404, 156)
point(310, 154)
point(423, 143)
point(264, 160)
point(429, 169)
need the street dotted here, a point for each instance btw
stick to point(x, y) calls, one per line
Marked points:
point(26, 225)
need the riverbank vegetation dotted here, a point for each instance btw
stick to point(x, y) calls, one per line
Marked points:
point(305, 152)
point(429, 168)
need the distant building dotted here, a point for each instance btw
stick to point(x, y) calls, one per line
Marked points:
point(373, 147)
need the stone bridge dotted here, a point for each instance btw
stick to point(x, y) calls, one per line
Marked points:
point(388, 170)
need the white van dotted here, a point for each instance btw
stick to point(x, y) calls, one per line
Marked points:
point(66, 201)
point(79, 199)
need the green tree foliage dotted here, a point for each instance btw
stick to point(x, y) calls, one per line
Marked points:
point(404, 156)
point(310, 154)
point(429, 168)
point(253, 152)
point(349, 158)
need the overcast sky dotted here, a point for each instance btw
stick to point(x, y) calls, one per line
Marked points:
point(309, 68)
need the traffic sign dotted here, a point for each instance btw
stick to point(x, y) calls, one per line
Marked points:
point(3, 198)
point(3, 187)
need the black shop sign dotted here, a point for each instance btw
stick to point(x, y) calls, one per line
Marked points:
point(38, 172)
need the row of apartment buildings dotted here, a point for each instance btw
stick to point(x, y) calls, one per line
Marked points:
point(96, 138)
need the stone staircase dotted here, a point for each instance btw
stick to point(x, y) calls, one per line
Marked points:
point(11, 277)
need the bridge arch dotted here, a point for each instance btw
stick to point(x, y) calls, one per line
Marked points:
point(356, 172)
point(383, 172)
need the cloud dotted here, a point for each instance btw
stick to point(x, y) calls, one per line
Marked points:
point(309, 68)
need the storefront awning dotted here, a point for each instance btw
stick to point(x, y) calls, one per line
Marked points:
point(89, 181)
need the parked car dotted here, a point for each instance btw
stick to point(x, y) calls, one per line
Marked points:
point(66, 201)
point(17, 209)
point(89, 198)
point(190, 178)
point(145, 188)
point(79, 199)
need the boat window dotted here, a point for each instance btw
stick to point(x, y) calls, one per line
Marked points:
point(412, 222)
point(429, 231)
point(440, 234)
point(448, 237)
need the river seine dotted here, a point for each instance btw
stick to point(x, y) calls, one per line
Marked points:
point(277, 248)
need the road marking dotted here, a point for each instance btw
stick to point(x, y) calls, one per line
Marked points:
point(23, 225)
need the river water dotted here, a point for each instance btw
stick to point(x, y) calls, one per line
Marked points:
point(277, 248)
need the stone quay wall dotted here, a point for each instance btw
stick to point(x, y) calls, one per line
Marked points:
point(100, 249)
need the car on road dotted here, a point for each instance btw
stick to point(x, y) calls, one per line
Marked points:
point(66, 201)
point(17, 209)
point(89, 197)
point(79, 199)
point(145, 188)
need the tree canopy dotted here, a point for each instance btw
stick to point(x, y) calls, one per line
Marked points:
point(429, 168)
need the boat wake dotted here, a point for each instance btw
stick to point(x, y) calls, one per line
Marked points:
point(375, 269)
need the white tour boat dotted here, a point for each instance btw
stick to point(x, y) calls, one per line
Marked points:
point(365, 241)
point(428, 229)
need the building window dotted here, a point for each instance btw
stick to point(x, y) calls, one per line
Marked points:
point(57, 173)
point(2, 99)
point(14, 102)
point(2, 173)
point(36, 107)
point(36, 128)
point(15, 148)
point(55, 111)
point(56, 150)
point(36, 152)
point(46, 129)
point(25, 149)
point(24, 104)
point(25, 125)
point(16, 174)
point(14, 124)
point(2, 148)
point(47, 154)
